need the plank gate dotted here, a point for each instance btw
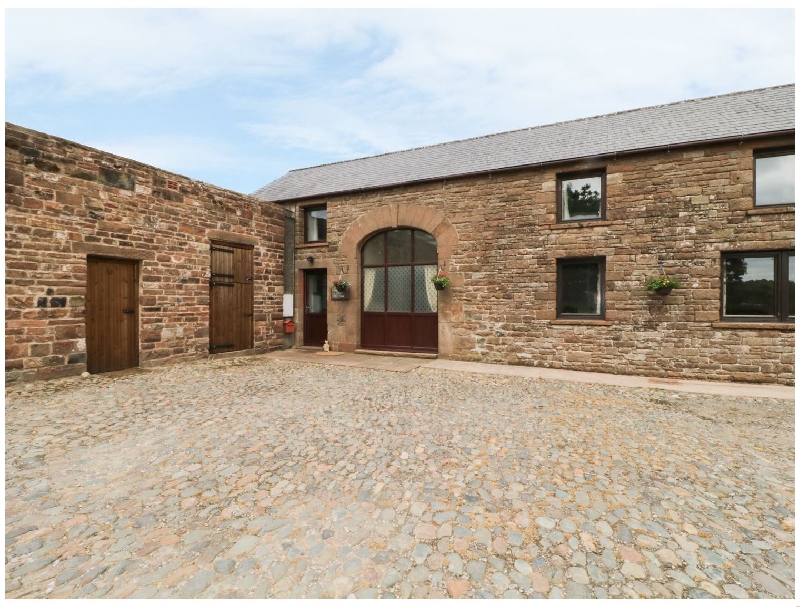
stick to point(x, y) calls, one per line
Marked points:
point(112, 314)
point(231, 298)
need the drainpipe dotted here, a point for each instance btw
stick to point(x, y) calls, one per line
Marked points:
point(288, 275)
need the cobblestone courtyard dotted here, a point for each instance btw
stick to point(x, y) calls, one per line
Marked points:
point(259, 477)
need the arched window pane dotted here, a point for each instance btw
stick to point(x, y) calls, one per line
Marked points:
point(424, 247)
point(399, 246)
point(373, 251)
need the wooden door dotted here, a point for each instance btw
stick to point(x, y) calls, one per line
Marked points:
point(315, 319)
point(112, 315)
point(231, 298)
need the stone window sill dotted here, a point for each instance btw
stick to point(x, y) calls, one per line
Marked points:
point(581, 224)
point(311, 245)
point(580, 321)
point(771, 210)
point(756, 326)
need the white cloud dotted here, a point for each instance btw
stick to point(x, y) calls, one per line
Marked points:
point(147, 52)
point(350, 83)
point(452, 75)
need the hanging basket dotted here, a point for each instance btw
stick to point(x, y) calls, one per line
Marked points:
point(439, 287)
point(662, 285)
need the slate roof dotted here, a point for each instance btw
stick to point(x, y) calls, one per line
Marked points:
point(740, 114)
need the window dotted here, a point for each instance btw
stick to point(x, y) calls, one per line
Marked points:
point(774, 178)
point(581, 288)
point(316, 221)
point(581, 196)
point(758, 286)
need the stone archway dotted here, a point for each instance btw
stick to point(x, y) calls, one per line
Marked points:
point(393, 216)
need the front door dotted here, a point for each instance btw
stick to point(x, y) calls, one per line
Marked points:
point(231, 313)
point(112, 315)
point(315, 319)
point(399, 302)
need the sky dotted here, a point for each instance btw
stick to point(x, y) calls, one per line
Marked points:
point(237, 98)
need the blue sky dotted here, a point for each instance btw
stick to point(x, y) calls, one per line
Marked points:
point(238, 97)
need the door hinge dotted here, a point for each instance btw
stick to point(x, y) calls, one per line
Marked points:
point(128, 311)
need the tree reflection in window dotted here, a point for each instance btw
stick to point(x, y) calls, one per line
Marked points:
point(581, 197)
point(582, 203)
point(750, 286)
point(758, 286)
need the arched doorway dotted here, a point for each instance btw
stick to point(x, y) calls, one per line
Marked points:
point(399, 309)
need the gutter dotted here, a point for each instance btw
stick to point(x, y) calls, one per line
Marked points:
point(613, 155)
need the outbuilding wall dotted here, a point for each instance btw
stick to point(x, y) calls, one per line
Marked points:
point(65, 202)
point(676, 210)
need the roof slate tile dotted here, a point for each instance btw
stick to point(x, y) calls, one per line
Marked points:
point(741, 114)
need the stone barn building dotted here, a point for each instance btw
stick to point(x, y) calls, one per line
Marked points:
point(549, 236)
point(112, 264)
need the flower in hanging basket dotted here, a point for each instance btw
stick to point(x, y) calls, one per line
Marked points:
point(341, 285)
point(662, 285)
point(440, 281)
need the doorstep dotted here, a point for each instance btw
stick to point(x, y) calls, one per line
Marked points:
point(425, 355)
point(237, 353)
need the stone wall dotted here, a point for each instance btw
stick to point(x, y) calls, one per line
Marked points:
point(676, 209)
point(65, 201)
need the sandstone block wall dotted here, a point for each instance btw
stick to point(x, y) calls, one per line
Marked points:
point(678, 209)
point(65, 201)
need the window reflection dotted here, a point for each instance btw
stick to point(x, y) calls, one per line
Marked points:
point(774, 177)
point(791, 286)
point(316, 225)
point(581, 198)
point(749, 286)
point(580, 289)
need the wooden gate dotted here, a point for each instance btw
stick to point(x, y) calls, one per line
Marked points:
point(112, 315)
point(231, 322)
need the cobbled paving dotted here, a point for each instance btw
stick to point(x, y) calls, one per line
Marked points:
point(257, 477)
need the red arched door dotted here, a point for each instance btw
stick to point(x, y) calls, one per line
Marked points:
point(399, 302)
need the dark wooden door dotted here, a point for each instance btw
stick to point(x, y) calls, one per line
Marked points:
point(231, 322)
point(112, 315)
point(399, 302)
point(315, 318)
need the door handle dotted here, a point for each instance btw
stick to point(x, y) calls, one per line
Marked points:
point(128, 311)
